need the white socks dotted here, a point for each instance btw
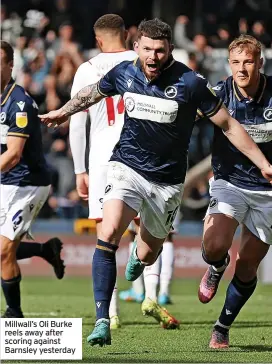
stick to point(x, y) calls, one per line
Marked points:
point(167, 256)
point(151, 279)
point(138, 285)
point(114, 309)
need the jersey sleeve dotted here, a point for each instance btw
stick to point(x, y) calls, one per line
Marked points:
point(219, 89)
point(22, 117)
point(203, 96)
point(107, 84)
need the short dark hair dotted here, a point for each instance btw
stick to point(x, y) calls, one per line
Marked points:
point(7, 48)
point(155, 29)
point(111, 22)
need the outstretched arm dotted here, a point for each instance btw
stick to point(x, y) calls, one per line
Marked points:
point(85, 98)
point(238, 136)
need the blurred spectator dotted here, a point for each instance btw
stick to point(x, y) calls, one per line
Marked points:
point(223, 38)
point(10, 26)
point(64, 43)
point(61, 13)
point(259, 32)
point(58, 84)
point(243, 26)
point(181, 39)
point(17, 72)
point(35, 70)
point(36, 18)
point(59, 159)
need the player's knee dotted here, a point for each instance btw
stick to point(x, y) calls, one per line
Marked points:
point(214, 246)
point(147, 256)
point(8, 250)
point(110, 234)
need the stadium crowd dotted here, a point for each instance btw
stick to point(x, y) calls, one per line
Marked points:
point(50, 43)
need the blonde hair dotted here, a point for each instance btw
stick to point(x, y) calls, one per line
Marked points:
point(245, 41)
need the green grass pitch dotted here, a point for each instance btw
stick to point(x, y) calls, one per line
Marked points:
point(141, 339)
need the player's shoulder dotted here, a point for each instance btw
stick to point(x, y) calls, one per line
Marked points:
point(224, 89)
point(192, 79)
point(21, 101)
point(178, 72)
point(180, 68)
point(113, 57)
point(85, 67)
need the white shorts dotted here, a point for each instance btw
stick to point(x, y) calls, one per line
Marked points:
point(97, 185)
point(157, 204)
point(19, 207)
point(252, 208)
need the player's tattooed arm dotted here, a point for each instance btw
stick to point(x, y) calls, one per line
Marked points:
point(85, 98)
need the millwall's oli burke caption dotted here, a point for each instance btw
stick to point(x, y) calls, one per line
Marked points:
point(41, 339)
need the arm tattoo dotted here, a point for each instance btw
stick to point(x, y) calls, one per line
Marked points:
point(85, 98)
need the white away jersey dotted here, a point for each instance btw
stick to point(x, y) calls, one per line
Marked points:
point(107, 116)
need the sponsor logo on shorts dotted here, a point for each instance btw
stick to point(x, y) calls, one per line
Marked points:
point(31, 207)
point(213, 202)
point(268, 114)
point(17, 219)
point(170, 92)
point(108, 188)
point(3, 117)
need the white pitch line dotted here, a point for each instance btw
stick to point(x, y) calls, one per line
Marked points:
point(42, 314)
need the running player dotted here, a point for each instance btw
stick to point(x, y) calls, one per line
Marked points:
point(239, 192)
point(25, 183)
point(143, 286)
point(149, 162)
point(107, 119)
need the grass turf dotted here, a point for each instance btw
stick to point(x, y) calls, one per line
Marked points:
point(141, 339)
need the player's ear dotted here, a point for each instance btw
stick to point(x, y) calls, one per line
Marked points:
point(99, 42)
point(171, 47)
point(125, 34)
point(136, 46)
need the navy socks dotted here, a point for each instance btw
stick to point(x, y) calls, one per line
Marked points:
point(238, 293)
point(11, 290)
point(104, 277)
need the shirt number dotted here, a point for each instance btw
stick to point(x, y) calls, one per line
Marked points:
point(111, 111)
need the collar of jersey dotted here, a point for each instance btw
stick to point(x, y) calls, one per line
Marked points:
point(259, 93)
point(167, 64)
point(7, 92)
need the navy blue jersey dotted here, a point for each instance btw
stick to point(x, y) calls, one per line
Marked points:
point(19, 118)
point(256, 117)
point(159, 117)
